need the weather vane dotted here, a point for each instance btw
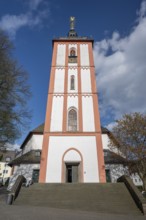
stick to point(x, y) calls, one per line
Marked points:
point(72, 23)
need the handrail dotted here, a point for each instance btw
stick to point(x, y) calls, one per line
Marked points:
point(136, 195)
point(14, 192)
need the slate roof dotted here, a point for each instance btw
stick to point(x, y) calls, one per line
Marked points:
point(112, 158)
point(37, 130)
point(7, 154)
point(31, 157)
point(40, 130)
point(104, 130)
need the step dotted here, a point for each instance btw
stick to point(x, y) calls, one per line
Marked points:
point(95, 197)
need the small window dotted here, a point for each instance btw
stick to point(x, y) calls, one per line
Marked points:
point(72, 83)
point(5, 171)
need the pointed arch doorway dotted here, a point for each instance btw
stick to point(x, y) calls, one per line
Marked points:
point(72, 166)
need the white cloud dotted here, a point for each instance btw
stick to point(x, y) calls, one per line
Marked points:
point(111, 125)
point(13, 146)
point(120, 64)
point(33, 4)
point(142, 12)
point(12, 23)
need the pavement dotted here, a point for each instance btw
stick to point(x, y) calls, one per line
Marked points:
point(42, 213)
point(14, 212)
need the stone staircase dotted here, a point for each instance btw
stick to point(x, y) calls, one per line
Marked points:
point(95, 197)
point(3, 195)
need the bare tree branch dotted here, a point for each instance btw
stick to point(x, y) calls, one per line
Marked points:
point(14, 94)
point(128, 138)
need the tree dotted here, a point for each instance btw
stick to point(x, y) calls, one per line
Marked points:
point(128, 138)
point(14, 93)
point(1, 157)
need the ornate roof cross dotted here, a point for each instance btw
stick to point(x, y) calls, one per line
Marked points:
point(72, 23)
point(72, 33)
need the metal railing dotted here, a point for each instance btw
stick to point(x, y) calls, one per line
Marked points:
point(136, 195)
point(12, 195)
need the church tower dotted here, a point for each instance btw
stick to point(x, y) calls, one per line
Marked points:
point(72, 146)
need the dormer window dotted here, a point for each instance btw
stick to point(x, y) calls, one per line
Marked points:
point(37, 153)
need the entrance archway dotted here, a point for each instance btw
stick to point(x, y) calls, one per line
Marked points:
point(72, 166)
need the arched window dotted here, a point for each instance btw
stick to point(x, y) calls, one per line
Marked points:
point(72, 58)
point(72, 120)
point(72, 53)
point(72, 82)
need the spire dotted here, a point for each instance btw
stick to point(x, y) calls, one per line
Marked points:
point(72, 33)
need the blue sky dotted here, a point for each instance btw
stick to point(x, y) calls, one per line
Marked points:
point(118, 28)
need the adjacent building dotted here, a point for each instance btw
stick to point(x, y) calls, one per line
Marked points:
point(6, 157)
